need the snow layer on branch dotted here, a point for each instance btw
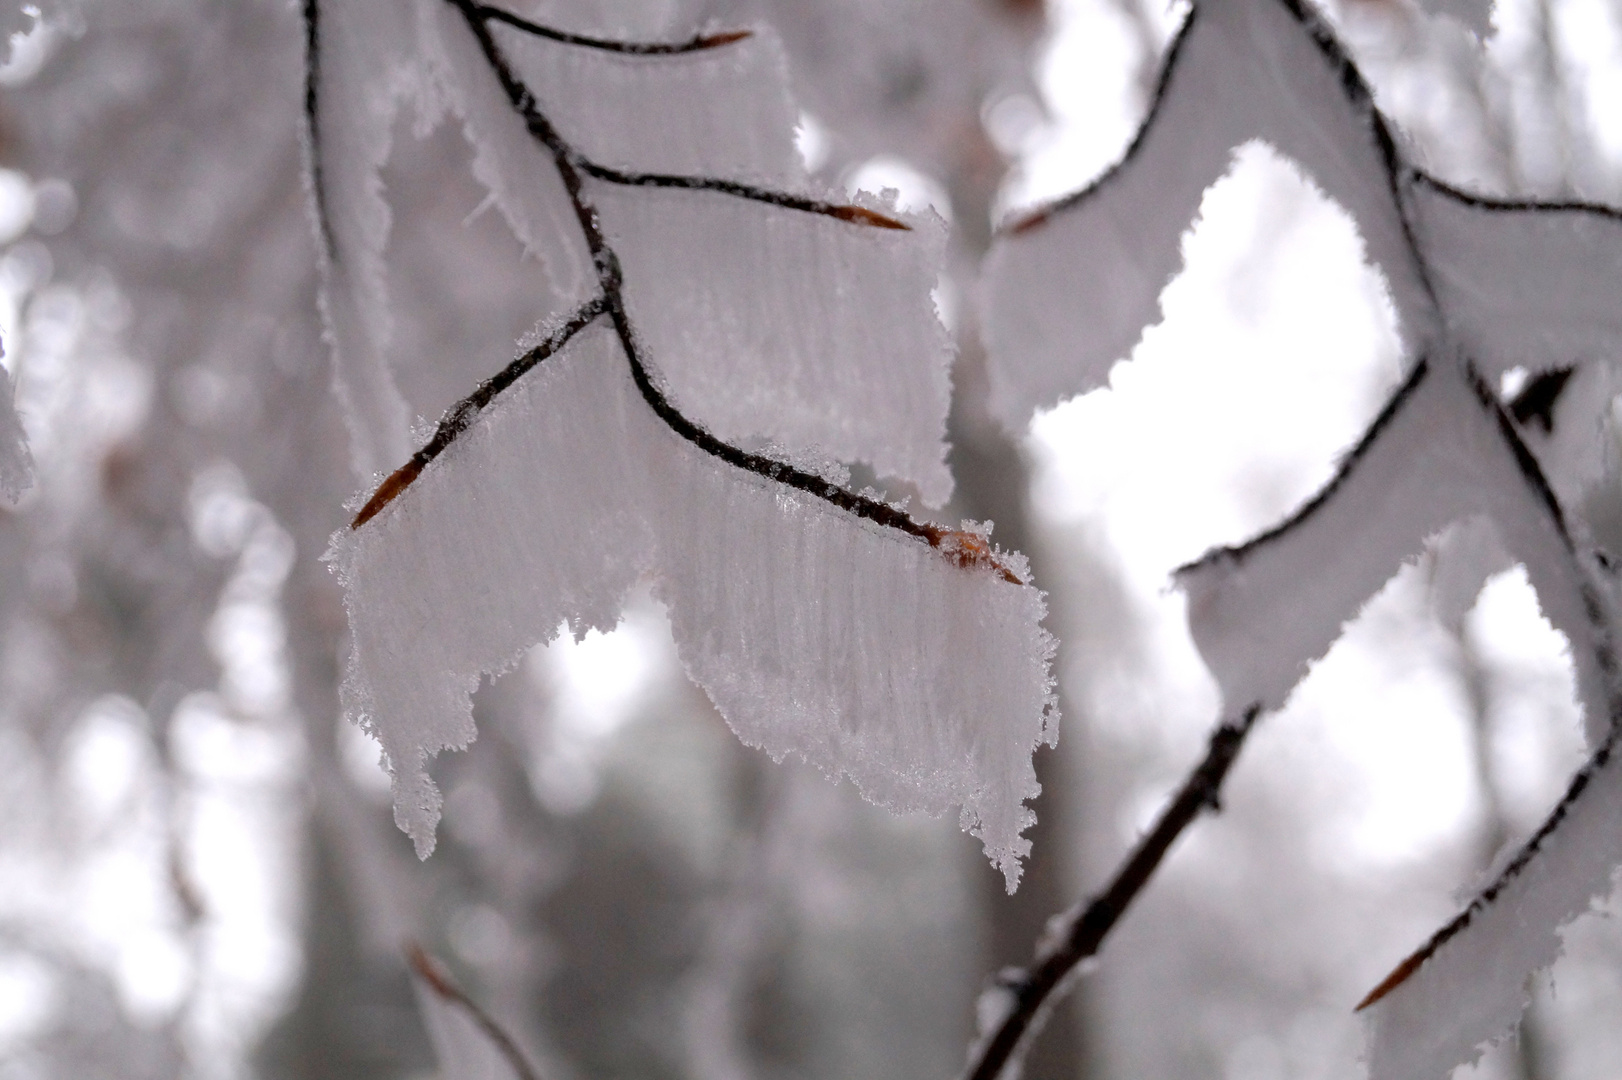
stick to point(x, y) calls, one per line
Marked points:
point(366, 66)
point(1260, 613)
point(815, 632)
point(776, 324)
point(1532, 288)
point(1474, 987)
point(514, 168)
point(1069, 291)
point(724, 112)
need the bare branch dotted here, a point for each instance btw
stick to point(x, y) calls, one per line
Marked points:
point(440, 983)
point(697, 43)
point(1076, 935)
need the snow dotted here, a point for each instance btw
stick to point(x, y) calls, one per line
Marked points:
point(1474, 987)
point(723, 111)
point(16, 464)
point(1261, 612)
point(852, 646)
point(774, 324)
point(516, 170)
point(1483, 254)
point(1068, 292)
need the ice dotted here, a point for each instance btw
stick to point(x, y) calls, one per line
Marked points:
point(816, 633)
point(516, 170)
point(798, 327)
point(16, 463)
point(724, 111)
point(464, 1047)
point(1260, 613)
point(366, 69)
point(1474, 987)
point(1069, 291)
point(1535, 288)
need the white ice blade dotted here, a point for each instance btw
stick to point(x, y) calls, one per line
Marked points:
point(1439, 453)
point(774, 324)
point(816, 632)
point(532, 517)
point(724, 111)
point(1473, 987)
point(514, 168)
point(463, 1046)
point(1522, 284)
point(1068, 291)
point(366, 66)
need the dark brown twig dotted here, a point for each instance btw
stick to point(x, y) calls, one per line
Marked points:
point(1077, 934)
point(459, 416)
point(440, 983)
point(697, 43)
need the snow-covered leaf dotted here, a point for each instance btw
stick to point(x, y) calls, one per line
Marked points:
point(1070, 287)
point(1481, 287)
point(740, 337)
point(859, 648)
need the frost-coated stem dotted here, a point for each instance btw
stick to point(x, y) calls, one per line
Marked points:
point(1077, 934)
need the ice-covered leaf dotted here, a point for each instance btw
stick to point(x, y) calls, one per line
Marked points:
point(1436, 456)
point(722, 315)
point(791, 326)
point(1069, 288)
point(861, 649)
point(1482, 287)
point(364, 64)
point(1468, 985)
point(1522, 284)
point(724, 111)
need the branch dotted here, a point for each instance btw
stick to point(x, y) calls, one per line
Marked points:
point(440, 983)
point(459, 416)
point(1077, 934)
point(960, 547)
point(696, 43)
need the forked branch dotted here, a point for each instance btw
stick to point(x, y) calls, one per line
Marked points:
point(962, 548)
point(1076, 935)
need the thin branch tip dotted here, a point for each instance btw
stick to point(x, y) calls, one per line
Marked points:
point(387, 492)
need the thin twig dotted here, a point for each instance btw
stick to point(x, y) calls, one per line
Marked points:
point(1077, 935)
point(962, 548)
point(440, 983)
point(856, 215)
point(696, 43)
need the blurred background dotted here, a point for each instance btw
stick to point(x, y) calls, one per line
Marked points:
point(199, 875)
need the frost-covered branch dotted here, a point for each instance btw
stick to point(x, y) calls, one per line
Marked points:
point(460, 415)
point(1480, 286)
point(1076, 935)
point(963, 548)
